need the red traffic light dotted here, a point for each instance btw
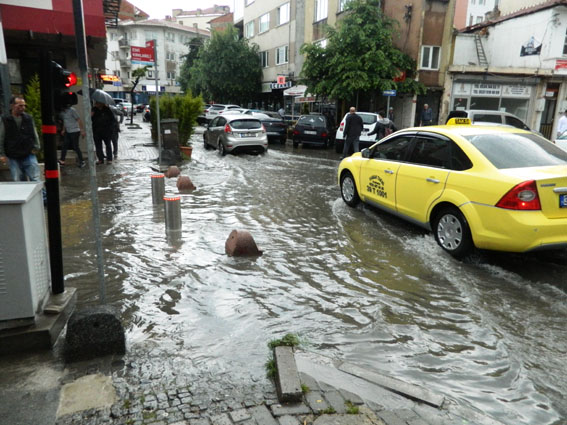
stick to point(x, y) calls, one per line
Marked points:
point(71, 79)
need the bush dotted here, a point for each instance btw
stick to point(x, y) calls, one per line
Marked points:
point(184, 108)
point(33, 107)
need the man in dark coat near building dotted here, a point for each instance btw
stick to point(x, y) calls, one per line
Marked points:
point(104, 124)
point(353, 128)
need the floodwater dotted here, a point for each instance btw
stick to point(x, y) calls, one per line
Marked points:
point(355, 284)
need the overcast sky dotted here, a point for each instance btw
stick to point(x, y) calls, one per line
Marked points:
point(157, 9)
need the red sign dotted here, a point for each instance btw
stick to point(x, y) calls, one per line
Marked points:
point(401, 77)
point(150, 44)
point(560, 64)
point(281, 79)
point(142, 54)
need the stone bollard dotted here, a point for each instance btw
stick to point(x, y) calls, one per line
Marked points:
point(184, 184)
point(94, 332)
point(240, 243)
point(172, 171)
point(158, 188)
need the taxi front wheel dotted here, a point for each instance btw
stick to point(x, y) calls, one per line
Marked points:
point(452, 232)
point(348, 190)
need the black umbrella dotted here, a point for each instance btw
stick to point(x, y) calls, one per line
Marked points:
point(100, 96)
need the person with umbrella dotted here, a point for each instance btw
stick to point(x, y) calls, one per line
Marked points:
point(103, 125)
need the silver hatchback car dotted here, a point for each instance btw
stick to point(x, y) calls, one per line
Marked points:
point(236, 133)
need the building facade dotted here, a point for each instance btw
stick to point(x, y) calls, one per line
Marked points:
point(199, 18)
point(516, 63)
point(511, 6)
point(171, 41)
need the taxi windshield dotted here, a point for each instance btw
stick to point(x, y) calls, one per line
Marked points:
point(518, 150)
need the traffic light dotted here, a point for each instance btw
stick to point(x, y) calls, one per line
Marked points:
point(63, 79)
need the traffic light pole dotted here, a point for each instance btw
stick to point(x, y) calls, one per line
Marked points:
point(49, 130)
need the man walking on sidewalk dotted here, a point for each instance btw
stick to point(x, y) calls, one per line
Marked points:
point(353, 129)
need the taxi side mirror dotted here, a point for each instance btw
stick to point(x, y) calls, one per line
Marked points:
point(365, 153)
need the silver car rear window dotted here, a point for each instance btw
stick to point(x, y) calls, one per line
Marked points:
point(518, 150)
point(246, 124)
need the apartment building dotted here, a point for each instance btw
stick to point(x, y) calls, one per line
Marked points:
point(199, 18)
point(171, 41)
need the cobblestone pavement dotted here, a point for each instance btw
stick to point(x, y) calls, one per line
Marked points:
point(155, 391)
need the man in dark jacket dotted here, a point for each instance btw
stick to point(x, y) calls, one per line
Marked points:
point(353, 128)
point(104, 124)
point(19, 142)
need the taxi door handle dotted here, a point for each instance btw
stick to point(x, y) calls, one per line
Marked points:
point(560, 190)
point(432, 180)
point(389, 171)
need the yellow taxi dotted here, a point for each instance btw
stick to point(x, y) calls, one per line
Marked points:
point(496, 188)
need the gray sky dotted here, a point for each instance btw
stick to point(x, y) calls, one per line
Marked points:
point(157, 9)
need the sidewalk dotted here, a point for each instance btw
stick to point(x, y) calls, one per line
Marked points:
point(144, 388)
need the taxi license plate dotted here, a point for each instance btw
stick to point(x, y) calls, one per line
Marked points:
point(310, 132)
point(563, 201)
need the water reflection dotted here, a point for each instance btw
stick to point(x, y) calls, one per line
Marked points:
point(356, 284)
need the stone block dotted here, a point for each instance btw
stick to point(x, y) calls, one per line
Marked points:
point(240, 243)
point(262, 415)
point(336, 401)
point(94, 332)
point(288, 386)
point(316, 402)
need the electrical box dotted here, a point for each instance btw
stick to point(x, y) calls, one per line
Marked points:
point(24, 255)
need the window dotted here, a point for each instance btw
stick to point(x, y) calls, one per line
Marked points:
point(150, 74)
point(395, 149)
point(283, 14)
point(264, 23)
point(264, 59)
point(150, 35)
point(431, 151)
point(430, 57)
point(321, 7)
point(248, 2)
point(473, 1)
point(169, 36)
point(170, 56)
point(249, 30)
point(171, 75)
point(134, 35)
point(281, 55)
point(481, 2)
point(565, 44)
point(342, 5)
point(479, 19)
point(322, 43)
point(470, 20)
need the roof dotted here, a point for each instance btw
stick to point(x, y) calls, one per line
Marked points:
point(227, 18)
point(169, 24)
point(522, 12)
point(215, 10)
point(129, 11)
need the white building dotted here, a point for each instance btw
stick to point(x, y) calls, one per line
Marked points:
point(515, 63)
point(511, 6)
point(199, 18)
point(477, 10)
point(171, 45)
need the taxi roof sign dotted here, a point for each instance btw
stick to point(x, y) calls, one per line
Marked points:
point(459, 121)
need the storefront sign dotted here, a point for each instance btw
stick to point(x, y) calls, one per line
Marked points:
point(142, 55)
point(306, 99)
point(486, 90)
point(109, 78)
point(516, 91)
point(561, 66)
point(280, 86)
point(462, 89)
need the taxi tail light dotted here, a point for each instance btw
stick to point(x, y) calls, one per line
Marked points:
point(227, 129)
point(523, 196)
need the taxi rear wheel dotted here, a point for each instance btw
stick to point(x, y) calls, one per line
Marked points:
point(452, 232)
point(348, 190)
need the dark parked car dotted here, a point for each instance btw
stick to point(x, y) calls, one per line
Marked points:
point(313, 129)
point(276, 128)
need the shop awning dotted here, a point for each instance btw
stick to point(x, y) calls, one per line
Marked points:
point(295, 91)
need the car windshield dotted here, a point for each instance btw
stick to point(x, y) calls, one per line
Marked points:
point(312, 121)
point(245, 124)
point(368, 118)
point(216, 108)
point(518, 150)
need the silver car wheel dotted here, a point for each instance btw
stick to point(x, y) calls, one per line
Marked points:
point(348, 189)
point(450, 232)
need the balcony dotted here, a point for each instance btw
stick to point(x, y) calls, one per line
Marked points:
point(122, 43)
point(125, 63)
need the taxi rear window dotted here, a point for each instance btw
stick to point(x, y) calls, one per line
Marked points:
point(518, 150)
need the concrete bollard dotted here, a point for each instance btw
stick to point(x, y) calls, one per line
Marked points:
point(240, 243)
point(158, 188)
point(94, 332)
point(172, 171)
point(184, 184)
point(172, 213)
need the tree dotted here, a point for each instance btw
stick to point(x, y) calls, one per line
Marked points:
point(33, 107)
point(137, 73)
point(359, 56)
point(227, 69)
point(195, 45)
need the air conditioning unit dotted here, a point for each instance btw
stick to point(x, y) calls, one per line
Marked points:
point(24, 255)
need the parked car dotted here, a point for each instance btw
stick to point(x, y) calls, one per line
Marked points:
point(561, 141)
point(217, 108)
point(140, 107)
point(490, 187)
point(234, 133)
point(127, 108)
point(313, 129)
point(487, 117)
point(276, 128)
point(369, 119)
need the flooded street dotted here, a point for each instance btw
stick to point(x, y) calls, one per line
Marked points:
point(354, 284)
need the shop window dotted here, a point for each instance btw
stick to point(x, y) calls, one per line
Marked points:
point(281, 55)
point(487, 103)
point(321, 8)
point(430, 57)
point(249, 32)
point(283, 13)
point(264, 23)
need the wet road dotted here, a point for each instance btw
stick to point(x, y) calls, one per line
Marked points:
point(355, 284)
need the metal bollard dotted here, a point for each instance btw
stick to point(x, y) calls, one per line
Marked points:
point(172, 213)
point(158, 188)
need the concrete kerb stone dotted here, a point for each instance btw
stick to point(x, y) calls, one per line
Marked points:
point(287, 378)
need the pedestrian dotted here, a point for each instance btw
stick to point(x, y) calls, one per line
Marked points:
point(384, 127)
point(391, 113)
point(103, 126)
point(281, 111)
point(426, 116)
point(562, 125)
point(72, 130)
point(19, 142)
point(118, 117)
point(352, 131)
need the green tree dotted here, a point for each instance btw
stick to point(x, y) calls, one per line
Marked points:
point(359, 56)
point(195, 45)
point(227, 69)
point(32, 94)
